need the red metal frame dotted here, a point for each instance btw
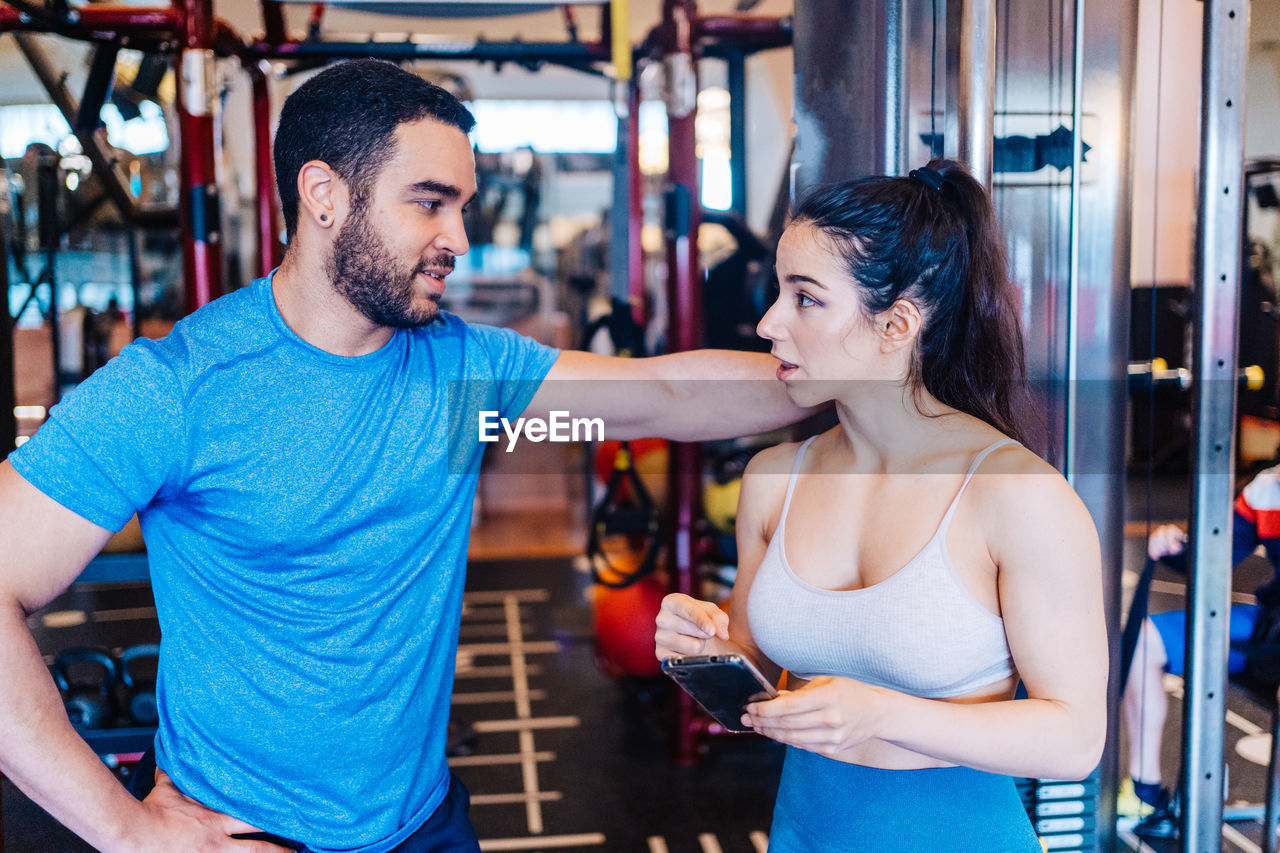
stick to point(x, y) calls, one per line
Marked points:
point(684, 332)
point(681, 31)
point(270, 251)
point(127, 20)
point(202, 248)
point(744, 30)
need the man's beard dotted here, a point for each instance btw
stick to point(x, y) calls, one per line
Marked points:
point(366, 273)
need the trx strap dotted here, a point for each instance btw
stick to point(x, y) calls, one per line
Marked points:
point(614, 515)
point(1133, 624)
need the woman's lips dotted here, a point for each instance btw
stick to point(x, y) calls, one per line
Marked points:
point(786, 369)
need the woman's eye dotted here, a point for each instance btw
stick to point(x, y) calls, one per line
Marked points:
point(804, 300)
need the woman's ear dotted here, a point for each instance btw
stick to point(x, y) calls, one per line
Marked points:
point(898, 326)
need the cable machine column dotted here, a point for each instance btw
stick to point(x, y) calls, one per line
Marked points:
point(1215, 295)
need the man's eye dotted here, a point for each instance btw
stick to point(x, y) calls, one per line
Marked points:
point(432, 204)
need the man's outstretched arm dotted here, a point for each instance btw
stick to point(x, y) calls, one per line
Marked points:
point(689, 396)
point(43, 548)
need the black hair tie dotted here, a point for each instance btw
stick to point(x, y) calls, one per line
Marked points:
point(928, 177)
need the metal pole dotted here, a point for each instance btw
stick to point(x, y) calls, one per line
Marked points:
point(48, 196)
point(896, 90)
point(201, 217)
point(1215, 295)
point(684, 307)
point(620, 211)
point(1073, 244)
point(737, 63)
point(975, 103)
point(8, 378)
point(850, 91)
point(132, 238)
point(635, 205)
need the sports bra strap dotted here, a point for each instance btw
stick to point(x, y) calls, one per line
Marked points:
point(946, 519)
point(795, 472)
point(973, 469)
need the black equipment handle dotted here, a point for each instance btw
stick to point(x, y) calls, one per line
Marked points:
point(146, 650)
point(86, 654)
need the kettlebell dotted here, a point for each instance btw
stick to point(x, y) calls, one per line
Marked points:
point(86, 690)
point(140, 682)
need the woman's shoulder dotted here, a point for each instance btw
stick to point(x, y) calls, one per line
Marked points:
point(1014, 483)
point(764, 487)
point(777, 459)
point(1010, 457)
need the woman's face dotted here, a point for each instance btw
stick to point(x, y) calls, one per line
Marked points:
point(819, 331)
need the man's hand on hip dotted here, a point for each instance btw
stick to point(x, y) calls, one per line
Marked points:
point(177, 822)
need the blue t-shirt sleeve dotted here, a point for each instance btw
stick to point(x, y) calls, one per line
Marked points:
point(519, 365)
point(114, 442)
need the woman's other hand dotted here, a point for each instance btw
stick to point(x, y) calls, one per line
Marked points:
point(687, 626)
point(828, 715)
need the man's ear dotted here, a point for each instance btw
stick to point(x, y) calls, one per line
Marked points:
point(898, 326)
point(322, 194)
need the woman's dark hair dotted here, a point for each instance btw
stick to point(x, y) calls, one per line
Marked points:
point(347, 116)
point(933, 239)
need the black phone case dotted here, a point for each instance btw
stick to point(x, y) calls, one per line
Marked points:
point(721, 684)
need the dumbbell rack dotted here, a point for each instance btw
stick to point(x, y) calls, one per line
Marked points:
point(118, 568)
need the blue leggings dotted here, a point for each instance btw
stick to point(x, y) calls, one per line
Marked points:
point(827, 806)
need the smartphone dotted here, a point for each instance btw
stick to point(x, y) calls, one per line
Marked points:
point(721, 684)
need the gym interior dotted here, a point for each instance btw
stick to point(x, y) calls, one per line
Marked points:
point(636, 162)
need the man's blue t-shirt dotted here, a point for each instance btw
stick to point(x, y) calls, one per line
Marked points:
point(306, 518)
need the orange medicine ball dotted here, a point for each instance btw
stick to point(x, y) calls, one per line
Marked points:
point(624, 625)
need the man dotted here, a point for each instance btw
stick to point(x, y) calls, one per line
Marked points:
point(303, 457)
point(1162, 640)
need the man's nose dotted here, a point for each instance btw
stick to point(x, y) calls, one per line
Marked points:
point(453, 237)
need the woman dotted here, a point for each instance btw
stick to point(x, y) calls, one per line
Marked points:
point(905, 596)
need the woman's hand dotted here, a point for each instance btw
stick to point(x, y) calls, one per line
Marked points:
point(1167, 540)
point(686, 626)
point(828, 715)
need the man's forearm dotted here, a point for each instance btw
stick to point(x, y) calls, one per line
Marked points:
point(724, 394)
point(688, 396)
point(42, 754)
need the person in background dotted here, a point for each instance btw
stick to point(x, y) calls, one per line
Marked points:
point(1161, 646)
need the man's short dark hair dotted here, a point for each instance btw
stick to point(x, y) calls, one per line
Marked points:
point(346, 116)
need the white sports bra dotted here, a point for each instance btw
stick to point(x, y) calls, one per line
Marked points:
point(919, 631)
